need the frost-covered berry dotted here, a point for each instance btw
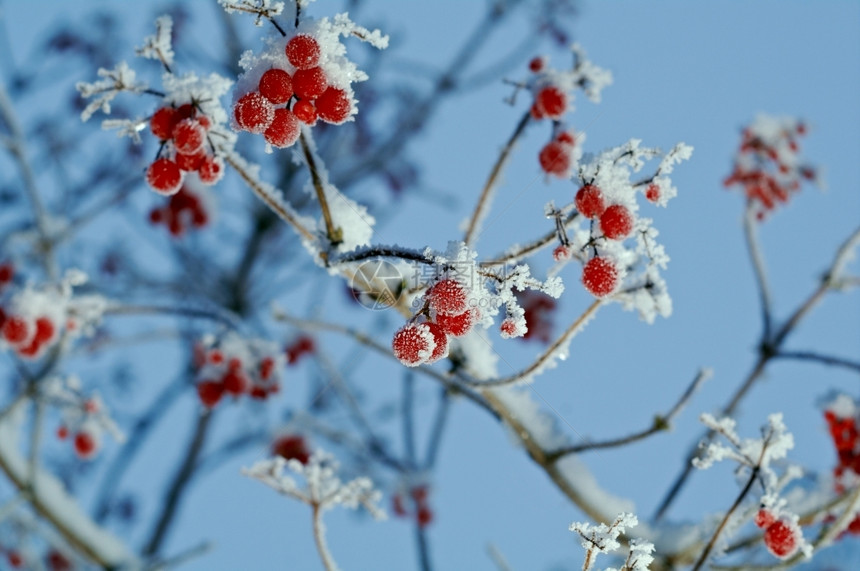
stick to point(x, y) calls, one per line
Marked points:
point(334, 106)
point(537, 64)
point(459, 324)
point(290, 447)
point(188, 135)
point(253, 112)
point(508, 328)
point(782, 538)
point(552, 101)
point(284, 130)
point(303, 51)
point(164, 176)
point(764, 518)
point(616, 222)
point(561, 253)
point(210, 392)
point(309, 83)
point(566, 137)
point(276, 85)
point(16, 330)
point(305, 112)
point(589, 201)
point(85, 444)
point(162, 123)
point(45, 330)
point(652, 193)
point(413, 344)
point(210, 170)
point(555, 159)
point(189, 163)
point(440, 351)
point(448, 296)
point(600, 277)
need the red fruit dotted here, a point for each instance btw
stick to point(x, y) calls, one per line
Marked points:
point(310, 83)
point(276, 85)
point(303, 51)
point(589, 201)
point(253, 112)
point(235, 383)
point(616, 222)
point(210, 392)
point(15, 559)
point(334, 105)
point(600, 277)
point(413, 344)
point(552, 101)
point(284, 130)
point(424, 516)
point(56, 561)
point(537, 64)
point(211, 170)
point(85, 445)
point(441, 339)
point(536, 112)
point(189, 136)
point(291, 447)
point(7, 272)
point(764, 518)
point(555, 159)
point(162, 123)
point(259, 393)
point(267, 365)
point(448, 296)
point(566, 137)
point(190, 162)
point(397, 505)
point(31, 349)
point(44, 330)
point(164, 177)
point(16, 330)
point(458, 325)
point(561, 253)
point(305, 112)
point(781, 538)
point(508, 328)
point(216, 357)
point(301, 346)
point(204, 122)
point(184, 111)
point(62, 432)
point(652, 193)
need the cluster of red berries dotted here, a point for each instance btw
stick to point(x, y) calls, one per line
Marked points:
point(448, 311)
point(550, 100)
point(87, 438)
point(419, 508)
point(292, 447)
point(7, 272)
point(846, 439)
point(283, 99)
point(228, 375)
point(183, 133)
point(767, 167)
point(28, 336)
point(782, 536)
point(304, 345)
point(183, 210)
point(556, 156)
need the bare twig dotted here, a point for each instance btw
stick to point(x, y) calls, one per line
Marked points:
point(757, 259)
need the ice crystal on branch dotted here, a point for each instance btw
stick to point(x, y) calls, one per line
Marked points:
point(262, 8)
point(120, 78)
point(602, 538)
point(159, 46)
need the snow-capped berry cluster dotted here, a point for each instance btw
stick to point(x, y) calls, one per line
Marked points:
point(236, 366)
point(559, 156)
point(291, 447)
point(183, 132)
point(85, 419)
point(413, 503)
point(188, 208)
point(298, 80)
point(842, 415)
point(768, 165)
point(782, 534)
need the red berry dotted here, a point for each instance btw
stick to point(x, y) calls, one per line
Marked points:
point(189, 136)
point(267, 365)
point(162, 123)
point(235, 383)
point(441, 339)
point(555, 159)
point(536, 112)
point(334, 106)
point(616, 222)
point(561, 253)
point(276, 85)
point(190, 162)
point(600, 277)
point(7, 272)
point(204, 122)
point(552, 101)
point(164, 177)
point(305, 112)
point(303, 51)
point(424, 516)
point(652, 193)
point(44, 329)
point(566, 137)
point(16, 330)
point(210, 392)
point(508, 328)
point(291, 447)
point(459, 324)
point(448, 296)
point(764, 518)
point(781, 538)
point(310, 83)
point(85, 445)
point(56, 561)
point(253, 112)
point(211, 170)
point(62, 432)
point(413, 344)
point(156, 216)
point(284, 130)
point(31, 350)
point(537, 64)
point(15, 559)
point(589, 201)
point(184, 111)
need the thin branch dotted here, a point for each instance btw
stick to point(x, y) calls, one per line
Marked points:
point(221, 317)
point(532, 247)
point(437, 430)
point(819, 358)
point(319, 539)
point(486, 194)
point(334, 235)
point(757, 259)
point(408, 414)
